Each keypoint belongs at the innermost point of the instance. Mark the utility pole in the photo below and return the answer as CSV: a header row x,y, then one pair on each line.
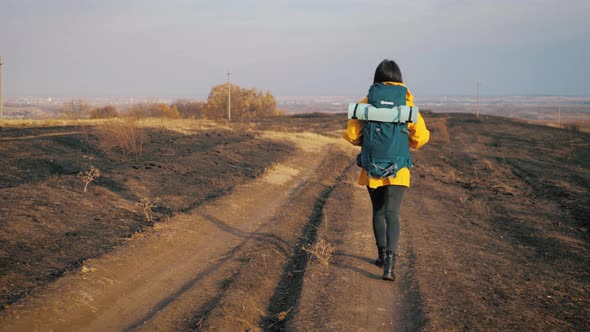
x,y
477,100
1,104
228,96
558,112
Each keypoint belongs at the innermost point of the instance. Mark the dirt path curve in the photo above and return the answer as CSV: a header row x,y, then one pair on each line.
x,y
170,274
19,138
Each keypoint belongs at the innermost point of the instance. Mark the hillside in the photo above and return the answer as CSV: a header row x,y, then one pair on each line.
x,y
494,229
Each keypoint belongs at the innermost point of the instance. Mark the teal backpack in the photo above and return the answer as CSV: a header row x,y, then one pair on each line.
x,y
385,147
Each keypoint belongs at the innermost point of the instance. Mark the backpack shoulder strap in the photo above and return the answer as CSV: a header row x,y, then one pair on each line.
x,y
356,106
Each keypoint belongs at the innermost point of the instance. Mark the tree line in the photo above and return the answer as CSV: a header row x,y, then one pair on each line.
x,y
245,104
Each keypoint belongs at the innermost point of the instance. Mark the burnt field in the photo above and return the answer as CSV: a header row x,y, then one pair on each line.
x,y
495,229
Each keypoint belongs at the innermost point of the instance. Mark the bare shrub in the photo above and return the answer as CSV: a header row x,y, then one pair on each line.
x,y
321,250
126,136
104,112
189,109
77,110
89,176
147,208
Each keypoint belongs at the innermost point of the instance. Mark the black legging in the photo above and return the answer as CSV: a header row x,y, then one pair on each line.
x,y
386,201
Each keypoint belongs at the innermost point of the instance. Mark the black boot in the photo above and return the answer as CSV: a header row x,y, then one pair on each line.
x,y
380,256
388,273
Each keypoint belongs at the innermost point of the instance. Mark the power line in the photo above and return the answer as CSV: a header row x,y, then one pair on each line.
x,y
477,100
558,112
228,96
1,104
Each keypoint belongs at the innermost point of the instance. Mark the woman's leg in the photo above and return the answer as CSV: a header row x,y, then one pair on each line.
x,y
393,196
378,202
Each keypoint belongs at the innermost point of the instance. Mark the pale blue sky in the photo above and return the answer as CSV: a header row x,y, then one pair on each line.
x,y
293,48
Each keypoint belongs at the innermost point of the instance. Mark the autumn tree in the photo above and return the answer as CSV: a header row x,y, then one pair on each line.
x,y
245,103
189,108
162,110
158,110
104,112
139,110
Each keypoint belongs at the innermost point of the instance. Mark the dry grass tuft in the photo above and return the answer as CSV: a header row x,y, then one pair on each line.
x,y
479,207
452,176
321,250
488,164
439,131
281,316
463,199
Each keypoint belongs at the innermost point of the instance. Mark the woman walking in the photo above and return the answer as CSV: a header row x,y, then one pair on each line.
x,y
386,189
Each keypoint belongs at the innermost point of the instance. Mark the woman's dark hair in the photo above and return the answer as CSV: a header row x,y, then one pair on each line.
x,y
387,71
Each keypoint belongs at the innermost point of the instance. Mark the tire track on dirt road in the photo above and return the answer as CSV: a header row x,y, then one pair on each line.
x,y
349,294
269,278
160,281
289,287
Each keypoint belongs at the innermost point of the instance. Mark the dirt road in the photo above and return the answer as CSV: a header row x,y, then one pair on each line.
x,y
349,294
221,265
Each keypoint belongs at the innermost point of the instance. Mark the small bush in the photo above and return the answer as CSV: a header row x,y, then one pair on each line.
x,y
153,110
164,111
104,112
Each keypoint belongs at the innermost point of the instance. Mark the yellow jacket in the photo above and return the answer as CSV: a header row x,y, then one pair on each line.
x,y
418,137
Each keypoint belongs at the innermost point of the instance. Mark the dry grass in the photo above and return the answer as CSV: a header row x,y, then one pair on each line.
x,y
182,126
306,141
479,207
452,176
125,136
463,199
487,164
19,123
321,250
439,131
281,316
